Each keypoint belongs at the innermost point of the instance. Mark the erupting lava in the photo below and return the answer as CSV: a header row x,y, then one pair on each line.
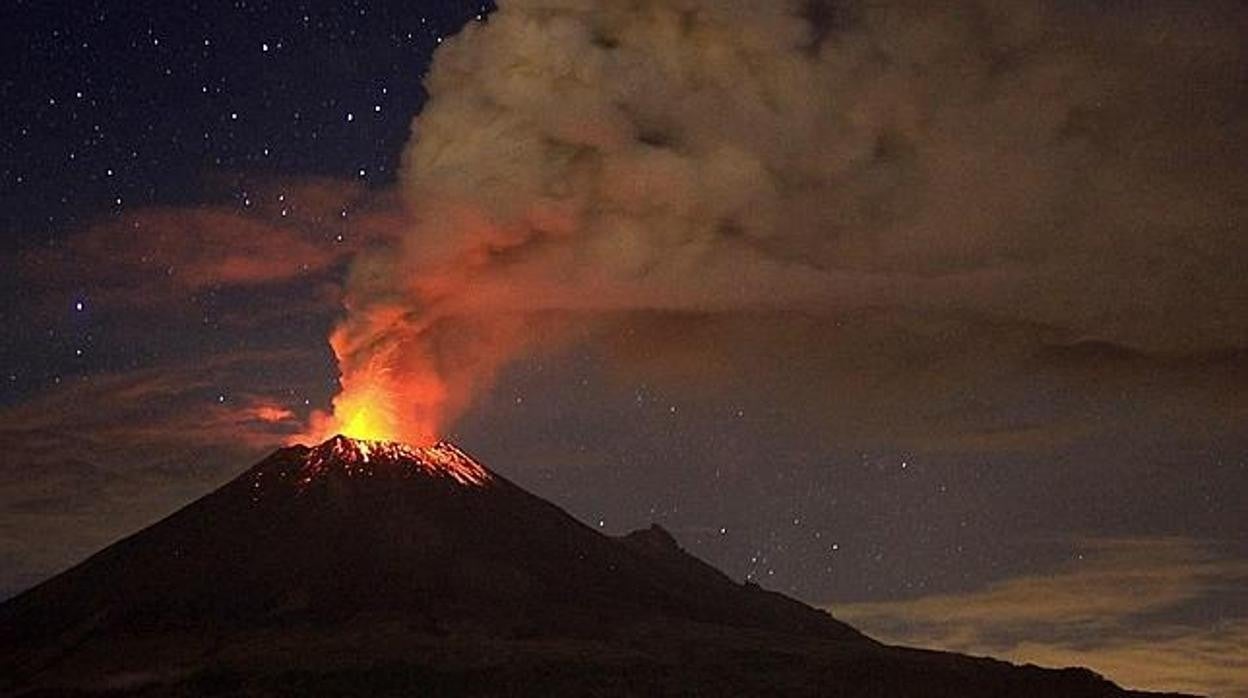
x,y
342,456
365,413
362,457
383,399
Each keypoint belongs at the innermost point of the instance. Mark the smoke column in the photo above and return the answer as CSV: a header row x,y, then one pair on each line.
x,y
579,158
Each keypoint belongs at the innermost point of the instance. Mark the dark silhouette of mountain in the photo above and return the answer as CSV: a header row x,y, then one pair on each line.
x,y
378,569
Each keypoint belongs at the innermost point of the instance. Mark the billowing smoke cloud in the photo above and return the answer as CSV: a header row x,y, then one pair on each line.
x,y
1073,166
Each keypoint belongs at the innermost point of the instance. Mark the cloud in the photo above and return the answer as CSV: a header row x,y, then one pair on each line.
x,y
932,383
1025,164
1118,608
706,156
196,249
100,456
290,238
178,405
1208,659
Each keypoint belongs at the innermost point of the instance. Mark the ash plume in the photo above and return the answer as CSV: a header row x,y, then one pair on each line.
x,y
578,159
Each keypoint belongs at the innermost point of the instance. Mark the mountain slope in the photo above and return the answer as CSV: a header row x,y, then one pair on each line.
x,y
365,568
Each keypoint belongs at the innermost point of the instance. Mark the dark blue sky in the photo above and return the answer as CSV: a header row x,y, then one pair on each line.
x,y
142,101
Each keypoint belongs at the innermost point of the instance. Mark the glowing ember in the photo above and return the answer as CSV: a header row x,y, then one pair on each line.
x,y
369,458
365,459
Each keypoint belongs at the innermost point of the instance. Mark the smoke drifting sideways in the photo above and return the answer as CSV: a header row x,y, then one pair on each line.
x,y
1077,168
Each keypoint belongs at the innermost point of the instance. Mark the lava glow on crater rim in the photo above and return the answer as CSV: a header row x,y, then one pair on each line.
x,y
362,458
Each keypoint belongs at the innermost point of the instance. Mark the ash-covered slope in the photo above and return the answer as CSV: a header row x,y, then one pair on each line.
x,y
368,568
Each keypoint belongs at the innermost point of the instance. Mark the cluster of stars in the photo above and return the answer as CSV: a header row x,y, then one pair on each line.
x,y
123,118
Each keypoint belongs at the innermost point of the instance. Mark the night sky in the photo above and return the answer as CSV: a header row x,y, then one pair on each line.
x,y
999,408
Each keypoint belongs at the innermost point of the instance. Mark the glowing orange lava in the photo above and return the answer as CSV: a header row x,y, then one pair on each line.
x,y
382,399
411,363
371,408
361,458
365,414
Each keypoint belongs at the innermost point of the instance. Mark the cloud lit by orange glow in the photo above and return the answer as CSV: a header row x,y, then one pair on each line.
x,y
365,409
661,185
1091,614
271,414
387,394
407,376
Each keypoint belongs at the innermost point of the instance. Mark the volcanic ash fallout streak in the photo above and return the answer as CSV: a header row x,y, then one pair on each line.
x,y
576,159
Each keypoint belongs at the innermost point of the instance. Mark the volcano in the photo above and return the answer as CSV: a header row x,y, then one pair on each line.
x,y
376,569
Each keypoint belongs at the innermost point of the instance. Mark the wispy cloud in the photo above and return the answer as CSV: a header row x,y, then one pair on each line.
x,y
289,237
180,404
1123,607
100,456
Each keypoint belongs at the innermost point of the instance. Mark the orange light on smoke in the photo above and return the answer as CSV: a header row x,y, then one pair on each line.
x,y
380,401
367,414
408,368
